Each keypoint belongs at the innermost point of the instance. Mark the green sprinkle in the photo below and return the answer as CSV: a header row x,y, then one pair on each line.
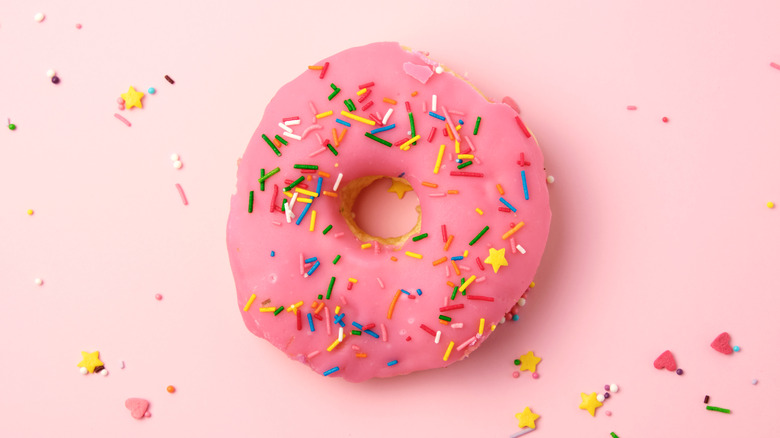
x,y
466,164
445,318
325,231
357,332
332,149
517,361
463,280
419,237
476,126
273,146
284,205
379,140
294,183
262,179
613,435
336,260
714,408
481,233
306,166
267,175
278,310
11,126
330,287
454,292
350,105
281,140
335,91
319,297
411,123
251,200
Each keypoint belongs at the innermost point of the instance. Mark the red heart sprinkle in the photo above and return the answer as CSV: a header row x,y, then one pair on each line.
x,y
665,360
722,343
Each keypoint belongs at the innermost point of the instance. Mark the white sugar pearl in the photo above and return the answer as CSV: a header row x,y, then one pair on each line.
x,y
51,73
177,164
550,179
83,370
104,372
600,398
38,281
439,69
174,157
521,302
39,17
613,387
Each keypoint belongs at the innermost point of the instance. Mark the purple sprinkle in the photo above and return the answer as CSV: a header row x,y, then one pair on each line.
x,y
606,387
606,395
679,371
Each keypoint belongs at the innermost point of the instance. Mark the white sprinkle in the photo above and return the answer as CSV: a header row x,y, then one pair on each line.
x,y
439,70
337,235
433,103
387,116
288,215
38,281
83,370
338,181
457,325
39,17
522,432
283,126
293,136
174,157
613,387
521,249
379,280
104,372
177,164
293,122
291,204
277,223
438,336
121,364
341,334
600,398
550,179
51,73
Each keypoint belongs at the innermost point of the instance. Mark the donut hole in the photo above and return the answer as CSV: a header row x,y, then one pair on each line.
x,y
381,208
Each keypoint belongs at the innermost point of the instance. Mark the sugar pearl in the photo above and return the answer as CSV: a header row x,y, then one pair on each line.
x,y
38,281
83,370
51,73
174,157
104,372
39,17
177,164
613,387
600,397
439,69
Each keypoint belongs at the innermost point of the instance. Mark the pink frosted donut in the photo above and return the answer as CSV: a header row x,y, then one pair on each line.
x,y
328,293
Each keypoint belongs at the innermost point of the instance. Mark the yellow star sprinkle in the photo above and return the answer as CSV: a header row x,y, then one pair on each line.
x,y
528,362
132,98
527,418
400,188
90,361
590,403
497,258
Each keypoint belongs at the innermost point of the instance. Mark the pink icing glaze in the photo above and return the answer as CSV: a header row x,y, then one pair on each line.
x,y
281,281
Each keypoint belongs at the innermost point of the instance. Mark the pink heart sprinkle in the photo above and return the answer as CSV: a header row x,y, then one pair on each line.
x,y
137,406
722,343
665,360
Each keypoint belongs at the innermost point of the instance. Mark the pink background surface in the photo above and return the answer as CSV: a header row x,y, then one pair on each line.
x,y
661,237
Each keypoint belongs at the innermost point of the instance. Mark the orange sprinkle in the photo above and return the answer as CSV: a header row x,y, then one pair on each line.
x,y
500,189
449,132
429,184
443,322
308,177
450,284
335,138
314,304
394,258
315,67
331,194
360,354
341,136
319,308
454,266
276,142
414,93
512,231
392,304
440,261
452,192
323,174
449,241
388,100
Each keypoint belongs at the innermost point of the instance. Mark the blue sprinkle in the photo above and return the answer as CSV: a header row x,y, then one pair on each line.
x,y
337,319
358,326
313,268
310,260
736,348
458,160
510,206
419,292
311,322
383,129
406,292
457,258
460,122
345,123
330,371
515,317
392,362
319,185
151,90
273,253
372,333
525,186
402,175
433,114
303,213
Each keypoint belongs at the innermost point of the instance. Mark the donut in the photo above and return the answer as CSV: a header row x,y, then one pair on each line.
x,y
317,282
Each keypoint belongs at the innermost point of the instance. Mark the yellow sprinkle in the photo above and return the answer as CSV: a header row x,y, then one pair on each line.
x,y
361,91
315,67
333,345
467,283
449,350
306,192
295,306
465,156
479,210
452,192
769,204
323,174
438,159
305,200
465,253
492,327
513,230
533,284
481,325
358,118
267,309
331,194
500,189
413,254
338,310
365,246
457,128
410,141
388,100
429,184
325,114
313,218
457,145
289,194
352,280
249,302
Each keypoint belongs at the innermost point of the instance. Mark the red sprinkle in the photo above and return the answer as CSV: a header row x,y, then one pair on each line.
x,y
273,198
290,119
451,307
366,85
400,142
522,127
369,326
479,263
181,194
474,174
324,69
665,120
368,105
319,318
349,286
504,209
444,233
308,170
364,96
428,329
479,298
408,107
373,117
431,134
298,322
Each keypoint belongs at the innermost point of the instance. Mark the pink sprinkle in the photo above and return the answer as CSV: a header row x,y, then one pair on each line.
x,y
470,340
337,235
124,120
449,121
312,354
471,145
384,332
631,108
78,25
300,258
381,285
516,374
313,108
157,297
608,413
178,187
513,245
327,318
535,375
324,70
774,65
